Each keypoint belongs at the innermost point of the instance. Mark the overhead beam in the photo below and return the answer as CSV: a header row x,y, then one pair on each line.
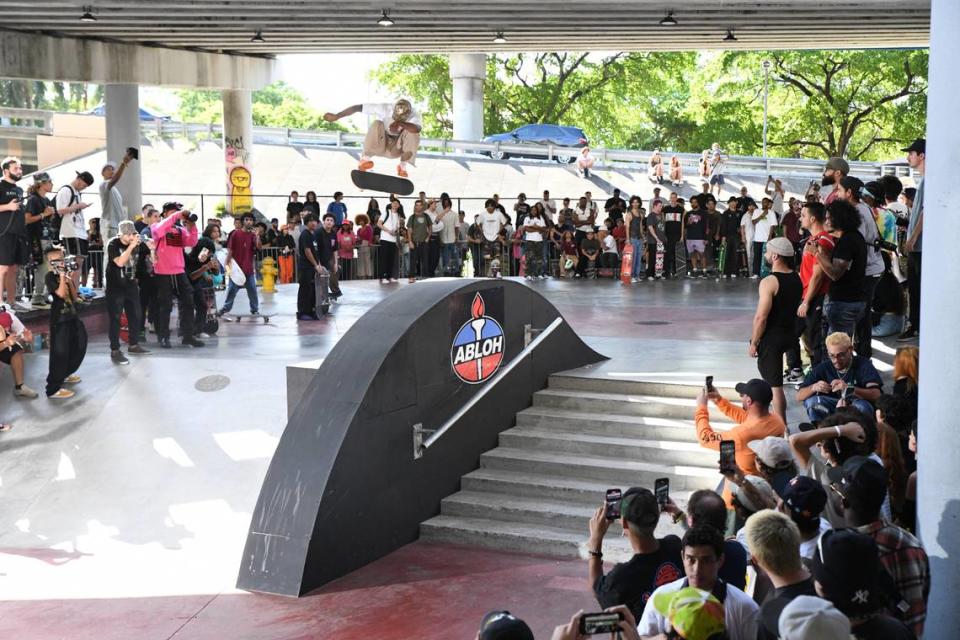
x,y
31,56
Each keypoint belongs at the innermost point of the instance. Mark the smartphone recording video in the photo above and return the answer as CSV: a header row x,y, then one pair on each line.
x,y
597,623
614,496
728,455
661,489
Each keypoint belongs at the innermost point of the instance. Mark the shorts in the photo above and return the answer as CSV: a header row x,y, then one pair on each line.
x,y
14,250
716,179
770,358
6,355
76,247
696,246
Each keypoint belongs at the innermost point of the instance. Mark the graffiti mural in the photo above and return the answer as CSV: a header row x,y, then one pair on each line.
x,y
239,176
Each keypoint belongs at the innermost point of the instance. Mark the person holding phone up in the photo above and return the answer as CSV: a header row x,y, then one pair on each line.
x,y
753,419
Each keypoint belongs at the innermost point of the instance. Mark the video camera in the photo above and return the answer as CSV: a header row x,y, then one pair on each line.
x,y
66,265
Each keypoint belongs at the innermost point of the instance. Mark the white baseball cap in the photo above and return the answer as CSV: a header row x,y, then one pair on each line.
x,y
811,617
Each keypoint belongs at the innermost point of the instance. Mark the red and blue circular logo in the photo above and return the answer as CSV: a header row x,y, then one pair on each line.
x,y
477,350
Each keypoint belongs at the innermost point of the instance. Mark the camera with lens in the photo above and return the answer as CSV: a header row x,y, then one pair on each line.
x,y
882,245
67,264
188,215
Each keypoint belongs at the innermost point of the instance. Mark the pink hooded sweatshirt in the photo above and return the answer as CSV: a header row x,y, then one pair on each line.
x,y
171,241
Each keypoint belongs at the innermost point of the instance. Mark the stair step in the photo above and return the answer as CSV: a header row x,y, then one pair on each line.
x,y
532,511
612,424
549,488
528,539
660,451
615,470
637,387
623,404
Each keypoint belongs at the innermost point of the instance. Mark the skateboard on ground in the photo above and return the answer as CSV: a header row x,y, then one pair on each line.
x,y
321,283
722,259
658,261
626,263
238,317
381,182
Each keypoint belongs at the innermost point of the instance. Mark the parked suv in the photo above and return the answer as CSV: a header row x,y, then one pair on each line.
x,y
569,141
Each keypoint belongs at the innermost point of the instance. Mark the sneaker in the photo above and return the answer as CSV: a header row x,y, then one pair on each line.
x,y
136,348
401,171
795,375
73,379
118,358
908,334
365,165
40,304
165,343
754,277
733,275
634,280
24,392
306,317
650,278
62,394
22,306
191,342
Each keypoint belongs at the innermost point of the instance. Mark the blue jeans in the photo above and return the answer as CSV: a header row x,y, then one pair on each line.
x,y
841,316
819,406
636,267
448,255
251,288
890,325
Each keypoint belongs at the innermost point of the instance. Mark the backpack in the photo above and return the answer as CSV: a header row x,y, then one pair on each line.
x,y
57,218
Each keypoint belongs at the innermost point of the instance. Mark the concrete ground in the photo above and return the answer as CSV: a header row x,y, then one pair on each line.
x,y
123,511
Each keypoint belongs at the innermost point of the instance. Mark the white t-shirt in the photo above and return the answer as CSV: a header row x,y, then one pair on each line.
x,y
448,226
535,221
762,224
550,207
746,222
777,202
490,224
383,111
72,225
740,613
581,217
610,245
391,222
809,547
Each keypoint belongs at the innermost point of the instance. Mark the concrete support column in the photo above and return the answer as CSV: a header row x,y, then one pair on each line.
x,y
238,149
468,71
938,500
122,103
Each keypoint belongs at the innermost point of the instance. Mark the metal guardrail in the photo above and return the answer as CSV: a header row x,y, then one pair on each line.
x,y
610,158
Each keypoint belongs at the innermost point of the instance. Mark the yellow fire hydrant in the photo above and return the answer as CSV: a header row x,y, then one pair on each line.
x,y
268,275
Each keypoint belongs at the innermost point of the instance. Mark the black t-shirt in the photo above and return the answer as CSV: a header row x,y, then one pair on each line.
x,y
39,230
744,201
523,210
307,241
13,222
60,310
589,246
631,583
769,627
294,208
121,276
734,569
882,627
192,259
653,220
673,218
696,224
730,223
849,287
326,246
311,207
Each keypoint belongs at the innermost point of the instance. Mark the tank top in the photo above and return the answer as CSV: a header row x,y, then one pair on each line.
x,y
783,312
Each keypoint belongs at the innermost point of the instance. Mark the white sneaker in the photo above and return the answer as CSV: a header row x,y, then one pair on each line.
x,y
22,306
24,392
650,279
754,277
634,280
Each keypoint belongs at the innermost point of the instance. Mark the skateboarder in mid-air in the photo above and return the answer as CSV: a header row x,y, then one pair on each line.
x,y
394,133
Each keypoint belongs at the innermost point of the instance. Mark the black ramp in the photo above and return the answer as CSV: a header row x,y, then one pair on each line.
x,y
344,488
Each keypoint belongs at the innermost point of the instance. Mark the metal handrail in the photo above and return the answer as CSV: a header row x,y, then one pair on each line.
x,y
167,129
420,445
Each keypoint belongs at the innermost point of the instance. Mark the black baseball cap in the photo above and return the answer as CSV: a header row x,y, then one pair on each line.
x,y
639,506
167,206
805,498
847,566
86,176
860,480
503,625
919,145
757,390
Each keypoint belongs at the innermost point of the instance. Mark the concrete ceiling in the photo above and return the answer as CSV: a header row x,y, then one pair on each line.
x,y
300,26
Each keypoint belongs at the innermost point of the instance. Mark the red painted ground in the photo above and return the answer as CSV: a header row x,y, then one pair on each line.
x,y
421,591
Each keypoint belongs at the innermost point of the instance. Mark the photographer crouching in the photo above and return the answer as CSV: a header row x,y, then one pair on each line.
x,y
68,336
123,290
178,230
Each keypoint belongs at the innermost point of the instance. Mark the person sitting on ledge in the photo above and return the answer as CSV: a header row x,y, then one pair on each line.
x,y
843,379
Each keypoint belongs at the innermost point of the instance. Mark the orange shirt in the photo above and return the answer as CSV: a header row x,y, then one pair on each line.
x,y
747,429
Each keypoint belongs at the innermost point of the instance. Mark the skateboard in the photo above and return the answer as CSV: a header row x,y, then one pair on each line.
x,y
124,328
626,263
381,182
764,267
321,283
238,317
208,316
722,259
658,261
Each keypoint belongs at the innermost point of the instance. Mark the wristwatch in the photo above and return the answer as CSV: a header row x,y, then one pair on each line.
x,y
595,554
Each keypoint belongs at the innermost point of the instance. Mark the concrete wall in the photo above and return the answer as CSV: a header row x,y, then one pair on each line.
x,y
73,135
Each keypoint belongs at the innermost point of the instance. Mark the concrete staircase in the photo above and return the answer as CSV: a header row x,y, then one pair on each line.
x,y
536,492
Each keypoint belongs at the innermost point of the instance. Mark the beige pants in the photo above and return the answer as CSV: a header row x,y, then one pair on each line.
x,y
378,143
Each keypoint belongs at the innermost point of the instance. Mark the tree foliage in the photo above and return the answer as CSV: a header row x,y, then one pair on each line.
x,y
56,96
861,104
